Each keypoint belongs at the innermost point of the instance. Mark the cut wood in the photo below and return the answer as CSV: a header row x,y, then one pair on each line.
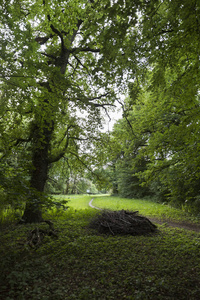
x,y
122,222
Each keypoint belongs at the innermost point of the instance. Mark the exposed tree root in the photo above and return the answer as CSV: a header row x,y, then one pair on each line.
x,y
35,237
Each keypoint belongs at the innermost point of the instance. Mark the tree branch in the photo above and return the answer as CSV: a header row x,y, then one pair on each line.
x,y
48,55
63,151
126,117
84,164
42,40
87,49
79,61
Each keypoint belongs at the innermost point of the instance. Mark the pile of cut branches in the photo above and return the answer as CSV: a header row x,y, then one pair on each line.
x,y
122,222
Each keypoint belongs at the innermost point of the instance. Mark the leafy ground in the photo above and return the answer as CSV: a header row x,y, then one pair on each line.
x,y
81,264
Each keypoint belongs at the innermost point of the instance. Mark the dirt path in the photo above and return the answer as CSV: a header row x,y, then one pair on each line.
x,y
91,205
184,225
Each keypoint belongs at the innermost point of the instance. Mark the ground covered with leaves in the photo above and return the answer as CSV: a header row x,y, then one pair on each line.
x,y
83,264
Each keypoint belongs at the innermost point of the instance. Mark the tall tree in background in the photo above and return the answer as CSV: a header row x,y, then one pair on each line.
x,y
164,104
174,43
127,143
61,63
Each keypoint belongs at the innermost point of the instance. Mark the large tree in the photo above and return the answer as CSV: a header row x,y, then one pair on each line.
x,y
61,63
164,106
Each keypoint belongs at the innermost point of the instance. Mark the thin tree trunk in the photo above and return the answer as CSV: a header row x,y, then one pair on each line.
x,y
67,187
115,183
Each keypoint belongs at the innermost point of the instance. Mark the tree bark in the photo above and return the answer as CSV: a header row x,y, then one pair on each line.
x,y
40,165
42,135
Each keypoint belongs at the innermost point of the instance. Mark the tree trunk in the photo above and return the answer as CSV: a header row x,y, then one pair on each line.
x,y
32,213
74,187
41,136
40,163
67,187
115,188
115,182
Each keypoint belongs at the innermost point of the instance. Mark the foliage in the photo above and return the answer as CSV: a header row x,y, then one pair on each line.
x,y
170,130
61,66
171,98
63,178
14,188
160,125
64,62
123,151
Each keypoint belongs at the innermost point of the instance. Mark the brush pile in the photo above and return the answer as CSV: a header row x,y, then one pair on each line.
x,y
122,222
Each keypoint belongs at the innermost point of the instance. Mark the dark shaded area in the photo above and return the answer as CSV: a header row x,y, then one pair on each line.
x,y
122,222
35,237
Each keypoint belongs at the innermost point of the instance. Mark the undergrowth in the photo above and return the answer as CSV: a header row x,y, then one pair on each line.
x,y
83,264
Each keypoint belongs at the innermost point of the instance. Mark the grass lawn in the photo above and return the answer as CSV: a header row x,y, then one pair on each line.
x,y
145,207
76,201
82,264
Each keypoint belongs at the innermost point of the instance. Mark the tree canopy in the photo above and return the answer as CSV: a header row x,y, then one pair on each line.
x,y
162,110
63,63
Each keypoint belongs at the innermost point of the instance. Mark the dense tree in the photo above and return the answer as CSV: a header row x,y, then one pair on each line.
x,y
61,62
171,130
159,133
125,148
172,108
163,108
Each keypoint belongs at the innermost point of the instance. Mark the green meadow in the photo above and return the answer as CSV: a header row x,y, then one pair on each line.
x,y
145,207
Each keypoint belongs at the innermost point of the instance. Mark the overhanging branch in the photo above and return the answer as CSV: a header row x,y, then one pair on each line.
x,y
62,152
79,61
86,49
83,163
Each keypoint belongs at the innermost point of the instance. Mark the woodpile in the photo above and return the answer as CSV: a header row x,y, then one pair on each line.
x,y
122,222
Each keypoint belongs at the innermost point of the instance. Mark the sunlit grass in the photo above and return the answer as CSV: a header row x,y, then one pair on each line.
x,y
76,201
9,215
81,202
145,207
